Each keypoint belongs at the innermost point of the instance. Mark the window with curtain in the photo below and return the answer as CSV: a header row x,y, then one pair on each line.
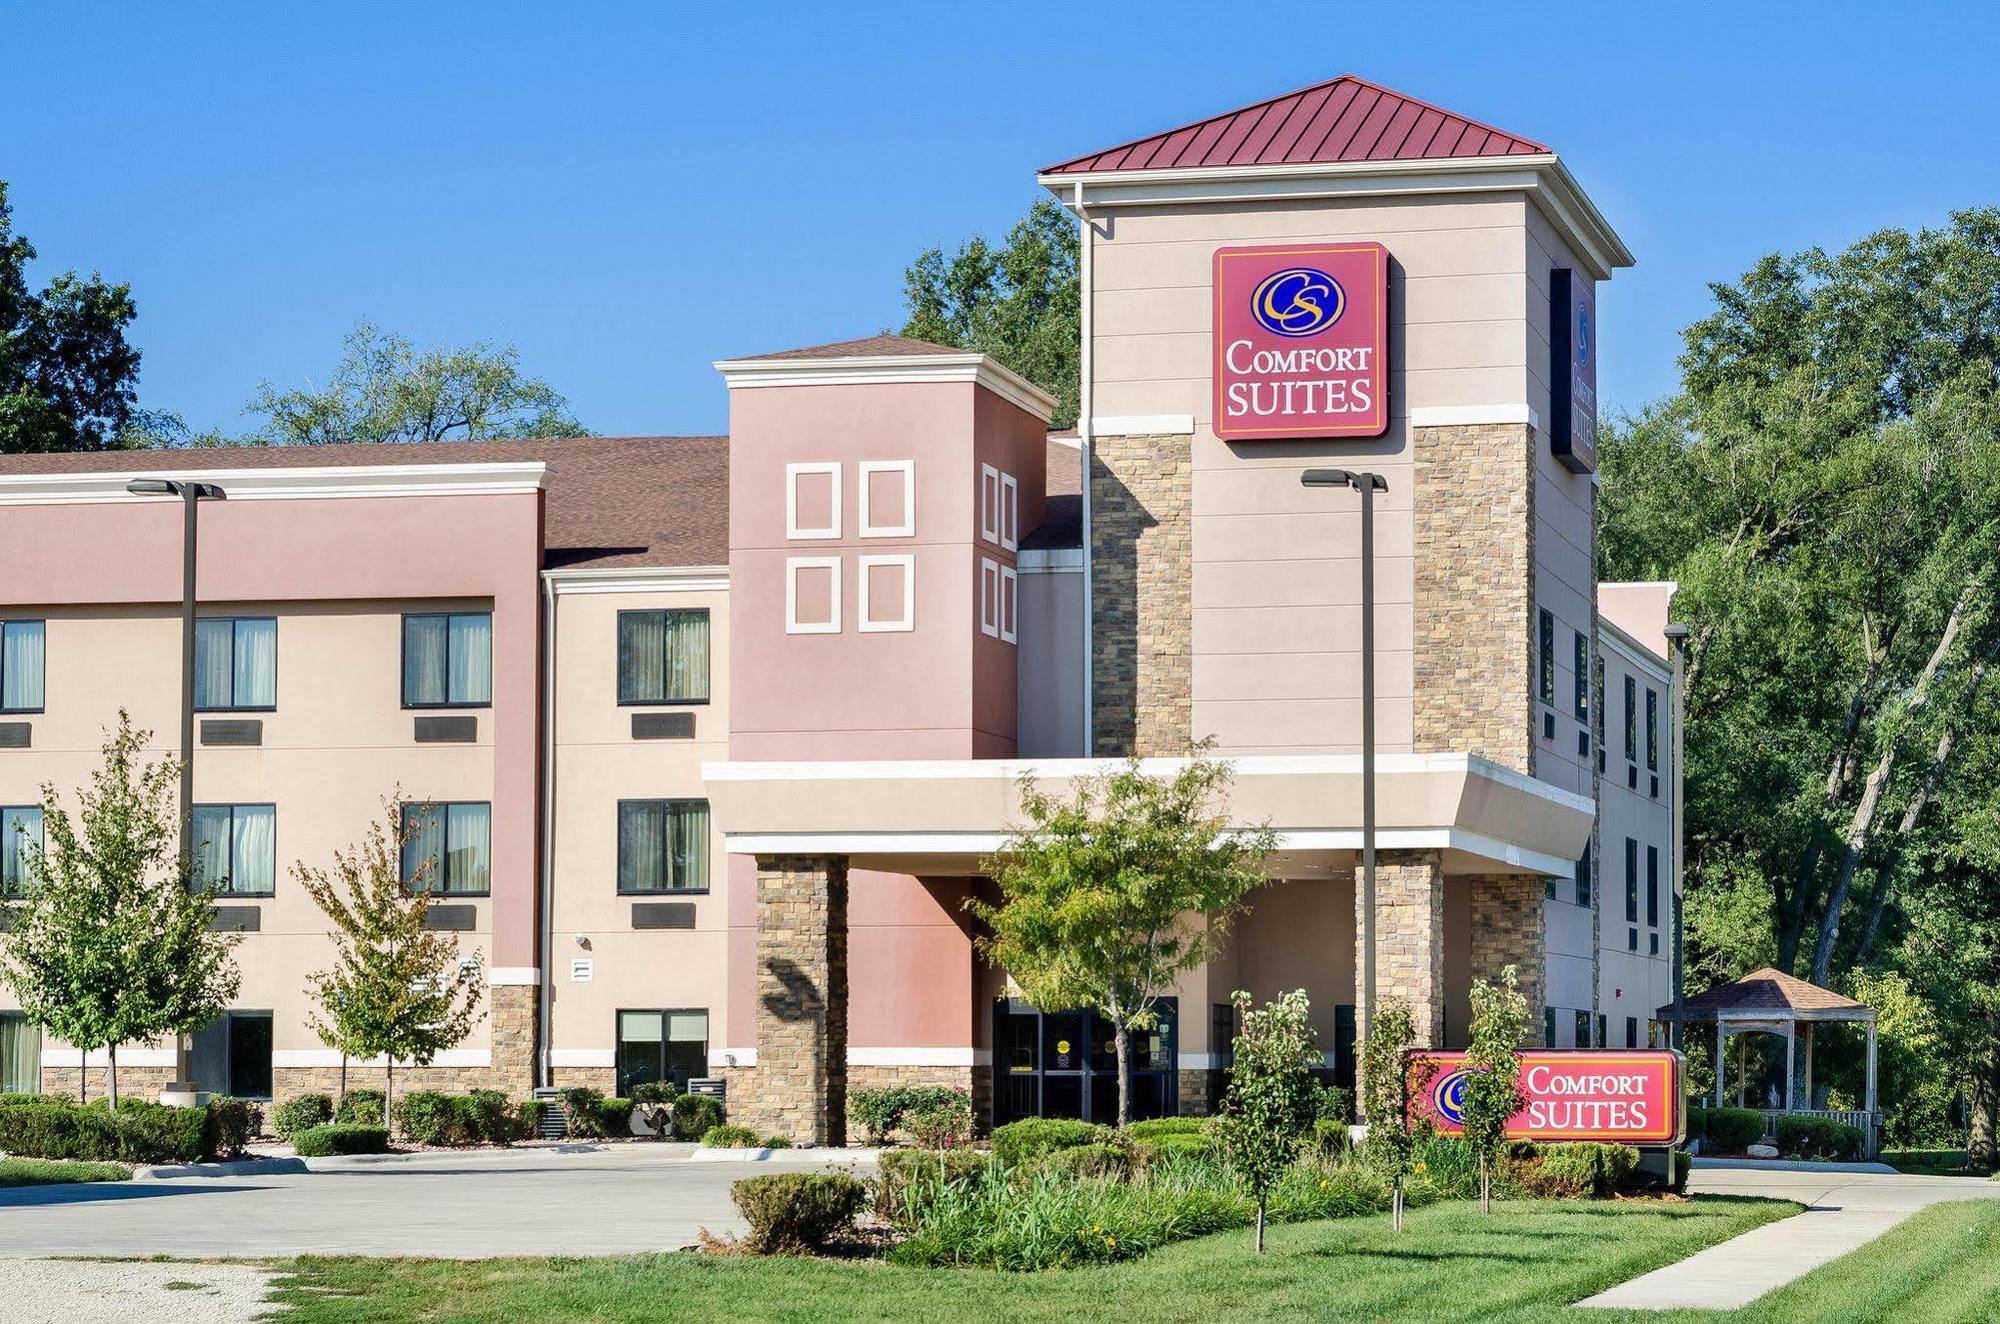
x,y
663,656
1545,649
662,845
21,662
661,1045
236,848
236,663
448,660
1580,676
20,1054
448,848
20,838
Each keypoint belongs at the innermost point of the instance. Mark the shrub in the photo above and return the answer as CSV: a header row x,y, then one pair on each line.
x,y
614,1117
341,1138
908,1177
1167,1126
57,1131
1577,1171
1333,1103
1031,1137
777,1142
654,1092
695,1115
797,1212
1331,1139
1094,1161
1819,1138
1190,1144
583,1107
528,1118
428,1117
881,1112
359,1108
302,1113
1318,1189
1448,1164
1732,1130
729,1137
488,1116
231,1123
153,1132
946,1124
1697,1122
138,1132
1683,1165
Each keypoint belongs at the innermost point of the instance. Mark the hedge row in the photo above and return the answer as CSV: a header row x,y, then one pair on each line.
x,y
139,1131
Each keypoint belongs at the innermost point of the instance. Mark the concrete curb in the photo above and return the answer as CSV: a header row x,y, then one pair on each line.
x,y
1791,1165
828,1155
257,1167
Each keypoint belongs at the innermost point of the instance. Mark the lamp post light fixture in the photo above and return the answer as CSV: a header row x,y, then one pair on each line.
x,y
192,494
1677,637
1367,484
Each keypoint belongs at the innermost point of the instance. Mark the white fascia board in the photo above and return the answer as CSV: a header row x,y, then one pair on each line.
x,y
329,1057
98,1057
1050,561
513,976
721,1058
638,579
311,483
894,369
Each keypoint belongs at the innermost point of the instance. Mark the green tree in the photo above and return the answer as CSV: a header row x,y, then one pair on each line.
x,y
397,989
112,942
1269,1108
1018,302
1493,1071
1388,1084
67,374
387,389
1106,897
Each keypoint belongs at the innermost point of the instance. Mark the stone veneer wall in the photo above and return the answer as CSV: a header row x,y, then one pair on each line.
x,y
1409,940
1142,568
1475,558
133,1082
799,1086
1196,1088
1508,928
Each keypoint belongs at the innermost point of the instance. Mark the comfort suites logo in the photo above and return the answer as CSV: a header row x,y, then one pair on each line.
x,y
1624,1096
1300,341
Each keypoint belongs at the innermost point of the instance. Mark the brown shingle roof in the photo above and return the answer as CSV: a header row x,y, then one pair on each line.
x,y
612,501
865,348
1767,990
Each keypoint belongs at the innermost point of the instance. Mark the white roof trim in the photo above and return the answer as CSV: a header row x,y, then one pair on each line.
x,y
1050,561
1542,176
637,579
313,482
896,369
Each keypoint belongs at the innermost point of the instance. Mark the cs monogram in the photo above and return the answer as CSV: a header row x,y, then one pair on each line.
x,y
1297,301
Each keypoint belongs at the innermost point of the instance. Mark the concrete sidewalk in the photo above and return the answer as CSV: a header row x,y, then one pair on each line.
x,y
1844,1210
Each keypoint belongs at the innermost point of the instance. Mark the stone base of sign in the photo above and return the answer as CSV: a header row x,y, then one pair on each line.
x,y
1142,559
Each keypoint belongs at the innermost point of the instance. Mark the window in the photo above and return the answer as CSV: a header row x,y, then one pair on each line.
x,y
663,845
1653,730
812,500
1545,640
888,498
448,660
888,593
20,1054
1548,1027
236,848
448,848
1580,676
661,1045
1653,941
21,663
20,838
1583,878
1583,1029
1631,881
1631,1031
1631,721
1631,940
1549,886
232,1055
663,656
236,664
812,595
1653,886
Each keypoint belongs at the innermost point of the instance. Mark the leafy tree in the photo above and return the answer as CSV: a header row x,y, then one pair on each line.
x,y
1270,1106
1018,303
1388,1083
387,389
1110,895
67,373
398,989
112,944
1493,1071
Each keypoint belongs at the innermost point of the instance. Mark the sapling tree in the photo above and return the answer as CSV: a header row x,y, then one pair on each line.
x,y
1111,893
112,942
1492,1092
1388,1082
1272,1097
398,989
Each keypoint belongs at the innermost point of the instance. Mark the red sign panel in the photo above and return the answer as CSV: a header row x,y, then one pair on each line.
x,y
1626,1097
1301,341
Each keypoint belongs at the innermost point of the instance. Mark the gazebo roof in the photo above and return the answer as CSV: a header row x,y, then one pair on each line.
x,y
1771,995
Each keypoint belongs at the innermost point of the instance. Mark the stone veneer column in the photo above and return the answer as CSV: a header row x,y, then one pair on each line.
x,y
1409,940
512,1010
799,1086
1475,525
1507,929
1142,568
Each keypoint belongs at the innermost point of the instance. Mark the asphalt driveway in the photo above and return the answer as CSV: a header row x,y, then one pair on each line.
x,y
573,1200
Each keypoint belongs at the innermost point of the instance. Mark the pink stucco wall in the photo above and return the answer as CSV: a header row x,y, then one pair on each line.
x,y
300,550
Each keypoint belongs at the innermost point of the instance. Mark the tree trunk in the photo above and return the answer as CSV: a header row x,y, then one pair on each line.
x,y
388,1091
83,1075
343,1081
1396,1205
1260,1225
1982,1146
1485,1186
111,1077
1123,1038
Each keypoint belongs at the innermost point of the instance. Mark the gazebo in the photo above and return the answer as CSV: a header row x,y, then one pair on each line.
x,y
1769,1001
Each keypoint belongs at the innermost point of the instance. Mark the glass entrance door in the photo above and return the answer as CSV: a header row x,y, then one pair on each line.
x,y
1065,1064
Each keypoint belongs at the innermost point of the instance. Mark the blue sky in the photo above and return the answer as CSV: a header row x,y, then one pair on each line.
x,y
627,192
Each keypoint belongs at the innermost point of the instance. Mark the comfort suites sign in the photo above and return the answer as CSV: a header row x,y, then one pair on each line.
x,y
1301,339
1627,1097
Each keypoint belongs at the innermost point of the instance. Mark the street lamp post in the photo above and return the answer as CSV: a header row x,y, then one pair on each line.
x,y
1677,636
1367,484
191,495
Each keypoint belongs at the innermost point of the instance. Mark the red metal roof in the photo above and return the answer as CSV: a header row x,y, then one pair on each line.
x,y
1766,990
1344,119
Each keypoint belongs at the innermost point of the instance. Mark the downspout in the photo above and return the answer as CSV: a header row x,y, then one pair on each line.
x,y
545,894
1083,443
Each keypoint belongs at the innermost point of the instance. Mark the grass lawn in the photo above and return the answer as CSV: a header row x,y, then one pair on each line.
x,y
48,1172
1450,1262
1928,1162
